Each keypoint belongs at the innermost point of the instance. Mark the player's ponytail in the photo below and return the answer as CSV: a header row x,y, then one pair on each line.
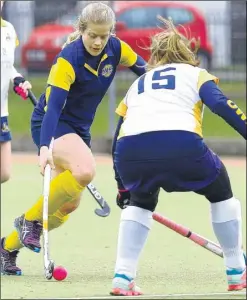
x,y
94,12
170,46
72,37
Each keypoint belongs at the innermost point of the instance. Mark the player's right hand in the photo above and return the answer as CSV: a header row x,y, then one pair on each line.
x,y
45,157
21,87
123,198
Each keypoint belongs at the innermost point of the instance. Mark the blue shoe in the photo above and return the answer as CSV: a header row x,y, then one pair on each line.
x,y
8,261
122,285
236,279
29,233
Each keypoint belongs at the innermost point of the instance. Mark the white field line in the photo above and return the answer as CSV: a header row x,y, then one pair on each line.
x,y
229,295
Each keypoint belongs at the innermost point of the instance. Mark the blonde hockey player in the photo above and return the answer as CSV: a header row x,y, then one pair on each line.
x,y
160,145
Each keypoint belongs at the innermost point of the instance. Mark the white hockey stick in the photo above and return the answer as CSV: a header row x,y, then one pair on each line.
x,y
48,263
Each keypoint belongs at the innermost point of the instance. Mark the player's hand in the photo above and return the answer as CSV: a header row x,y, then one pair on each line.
x,y
45,157
21,87
123,198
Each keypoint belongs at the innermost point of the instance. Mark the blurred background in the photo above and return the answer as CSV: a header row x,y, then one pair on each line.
x,y
43,26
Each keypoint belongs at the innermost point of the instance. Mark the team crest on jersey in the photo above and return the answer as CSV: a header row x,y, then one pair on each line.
x,y
107,70
5,127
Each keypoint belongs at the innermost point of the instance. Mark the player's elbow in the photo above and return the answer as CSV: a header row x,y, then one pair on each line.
x,y
218,108
139,68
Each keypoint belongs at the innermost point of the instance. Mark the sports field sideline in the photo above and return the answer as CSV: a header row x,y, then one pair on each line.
x,y
25,157
171,266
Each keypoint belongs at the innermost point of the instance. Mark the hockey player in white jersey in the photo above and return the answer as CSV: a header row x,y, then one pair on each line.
x,y
159,144
9,42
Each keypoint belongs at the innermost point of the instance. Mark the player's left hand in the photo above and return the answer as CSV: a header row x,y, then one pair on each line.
x,y
123,198
21,87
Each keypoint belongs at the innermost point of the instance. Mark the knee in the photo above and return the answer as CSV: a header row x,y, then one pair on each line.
x,y
5,175
220,189
83,175
144,201
226,210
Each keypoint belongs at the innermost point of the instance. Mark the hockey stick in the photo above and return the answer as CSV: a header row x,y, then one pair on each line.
x,y
186,232
105,208
48,263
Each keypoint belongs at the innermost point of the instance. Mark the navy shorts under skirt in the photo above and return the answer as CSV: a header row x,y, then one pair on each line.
x,y
62,129
172,160
5,135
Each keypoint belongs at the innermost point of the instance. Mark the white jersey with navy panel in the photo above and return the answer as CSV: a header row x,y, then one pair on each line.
x,y
9,42
165,98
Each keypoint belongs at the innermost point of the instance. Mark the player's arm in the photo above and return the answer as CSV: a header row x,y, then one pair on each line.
x,y
117,177
121,111
221,105
20,85
61,76
15,74
18,80
131,60
123,196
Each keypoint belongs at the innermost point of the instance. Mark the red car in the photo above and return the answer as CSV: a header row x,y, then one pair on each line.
x,y
136,23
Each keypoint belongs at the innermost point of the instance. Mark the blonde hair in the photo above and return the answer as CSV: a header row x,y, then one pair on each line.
x,y
170,46
95,12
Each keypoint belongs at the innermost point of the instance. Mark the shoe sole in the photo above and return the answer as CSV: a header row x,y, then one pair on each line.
x,y
236,287
19,273
121,292
16,225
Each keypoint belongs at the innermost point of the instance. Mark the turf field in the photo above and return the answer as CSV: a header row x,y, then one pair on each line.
x,y
171,266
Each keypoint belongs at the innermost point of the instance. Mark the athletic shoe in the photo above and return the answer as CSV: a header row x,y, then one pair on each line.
x,y
29,233
8,261
236,279
124,286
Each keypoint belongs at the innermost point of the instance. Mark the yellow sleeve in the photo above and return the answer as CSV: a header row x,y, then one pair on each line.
x,y
204,76
128,56
121,109
9,25
17,41
3,22
62,74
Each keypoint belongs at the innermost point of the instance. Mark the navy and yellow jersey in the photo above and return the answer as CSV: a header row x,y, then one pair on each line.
x,y
173,97
78,82
209,94
222,106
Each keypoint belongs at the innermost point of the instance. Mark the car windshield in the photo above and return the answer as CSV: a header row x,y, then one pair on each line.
x,y
67,20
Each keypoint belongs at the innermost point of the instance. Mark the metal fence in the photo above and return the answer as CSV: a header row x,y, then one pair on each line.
x,y
226,29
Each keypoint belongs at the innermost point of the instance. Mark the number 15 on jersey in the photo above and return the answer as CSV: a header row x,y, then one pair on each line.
x,y
159,76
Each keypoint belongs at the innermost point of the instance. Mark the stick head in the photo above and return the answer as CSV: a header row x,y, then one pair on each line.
x,y
103,212
49,270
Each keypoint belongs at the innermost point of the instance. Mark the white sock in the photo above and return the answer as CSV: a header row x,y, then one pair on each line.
x,y
227,225
134,227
